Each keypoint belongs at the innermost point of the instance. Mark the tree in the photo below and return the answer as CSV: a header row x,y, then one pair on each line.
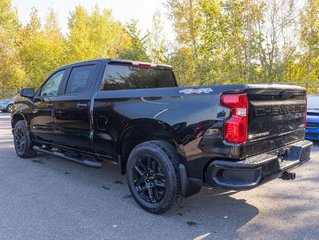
x,y
183,65
279,41
156,39
43,48
11,69
137,49
95,35
244,41
187,23
217,42
309,37
79,47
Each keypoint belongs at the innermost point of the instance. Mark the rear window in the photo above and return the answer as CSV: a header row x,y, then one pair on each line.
x,y
134,77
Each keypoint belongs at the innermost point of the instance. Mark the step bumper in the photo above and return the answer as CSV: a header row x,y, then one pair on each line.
x,y
256,170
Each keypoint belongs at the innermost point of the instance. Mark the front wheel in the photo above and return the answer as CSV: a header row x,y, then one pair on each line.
x,y
22,140
153,176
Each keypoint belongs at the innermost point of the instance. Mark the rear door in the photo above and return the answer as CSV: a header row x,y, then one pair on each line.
x,y
111,104
72,109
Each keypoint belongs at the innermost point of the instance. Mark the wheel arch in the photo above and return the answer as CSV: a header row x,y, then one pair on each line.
x,y
141,131
16,118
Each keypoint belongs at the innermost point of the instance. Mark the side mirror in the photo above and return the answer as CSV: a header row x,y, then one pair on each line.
x,y
27,92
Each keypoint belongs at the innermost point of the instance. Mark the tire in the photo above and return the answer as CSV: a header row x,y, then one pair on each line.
x,y
22,141
153,176
9,108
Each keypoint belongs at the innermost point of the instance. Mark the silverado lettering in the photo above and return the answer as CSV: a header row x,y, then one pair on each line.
x,y
260,111
169,140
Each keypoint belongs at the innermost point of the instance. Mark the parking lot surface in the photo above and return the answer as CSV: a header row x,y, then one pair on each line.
x,y
50,198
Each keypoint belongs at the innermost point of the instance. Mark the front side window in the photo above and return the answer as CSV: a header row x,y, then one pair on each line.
x,y
80,79
51,87
119,77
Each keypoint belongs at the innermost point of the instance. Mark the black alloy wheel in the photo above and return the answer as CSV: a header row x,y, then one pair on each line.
x,y
149,179
22,141
153,177
19,140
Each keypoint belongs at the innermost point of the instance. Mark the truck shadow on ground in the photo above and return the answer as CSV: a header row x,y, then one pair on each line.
x,y
209,211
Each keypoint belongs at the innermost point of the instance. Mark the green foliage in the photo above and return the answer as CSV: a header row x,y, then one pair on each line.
x,y
217,42
187,22
11,69
309,62
95,35
184,67
156,42
43,49
245,41
137,49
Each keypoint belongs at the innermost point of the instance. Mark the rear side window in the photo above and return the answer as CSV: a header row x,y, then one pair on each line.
x,y
133,77
80,79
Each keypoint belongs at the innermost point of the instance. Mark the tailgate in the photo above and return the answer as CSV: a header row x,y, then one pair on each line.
x,y
274,112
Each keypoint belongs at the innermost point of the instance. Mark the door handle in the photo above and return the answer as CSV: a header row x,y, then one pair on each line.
x,y
81,105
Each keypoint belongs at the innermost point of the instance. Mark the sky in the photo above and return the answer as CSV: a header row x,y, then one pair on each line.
x,y
123,10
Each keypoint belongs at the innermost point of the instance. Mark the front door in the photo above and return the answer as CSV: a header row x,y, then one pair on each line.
x,y
42,125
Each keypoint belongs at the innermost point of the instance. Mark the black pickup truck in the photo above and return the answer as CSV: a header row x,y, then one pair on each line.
x,y
169,140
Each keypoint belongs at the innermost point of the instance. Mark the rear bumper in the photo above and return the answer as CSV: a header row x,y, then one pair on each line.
x,y
258,169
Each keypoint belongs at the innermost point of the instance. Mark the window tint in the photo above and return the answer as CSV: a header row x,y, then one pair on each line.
x,y
132,77
51,87
80,79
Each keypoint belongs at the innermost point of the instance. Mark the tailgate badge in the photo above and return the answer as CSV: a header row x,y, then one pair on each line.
x,y
196,90
258,135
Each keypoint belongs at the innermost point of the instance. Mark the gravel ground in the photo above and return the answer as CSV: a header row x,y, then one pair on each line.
x,y
50,198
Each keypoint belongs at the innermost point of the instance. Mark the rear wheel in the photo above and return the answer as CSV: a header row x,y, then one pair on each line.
x,y
153,177
22,141
9,108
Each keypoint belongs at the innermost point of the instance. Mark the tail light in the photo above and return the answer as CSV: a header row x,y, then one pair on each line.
x,y
237,125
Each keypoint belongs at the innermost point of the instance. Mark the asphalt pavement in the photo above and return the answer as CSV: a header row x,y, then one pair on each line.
x,y
49,198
